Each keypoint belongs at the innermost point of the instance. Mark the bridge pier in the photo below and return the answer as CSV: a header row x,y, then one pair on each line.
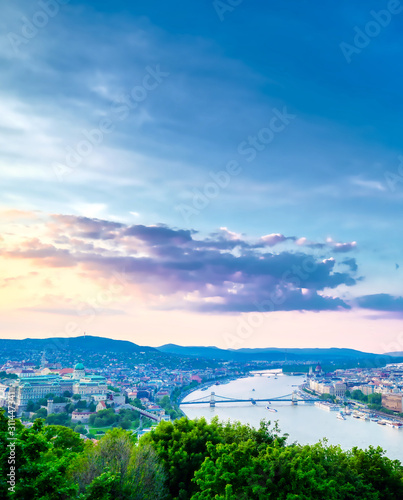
x,y
212,400
294,398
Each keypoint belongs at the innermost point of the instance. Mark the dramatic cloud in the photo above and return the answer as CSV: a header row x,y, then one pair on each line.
x,y
45,254
342,247
273,239
351,263
85,227
222,272
381,302
159,235
330,243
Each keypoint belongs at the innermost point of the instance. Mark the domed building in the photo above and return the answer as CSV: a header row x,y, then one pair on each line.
x,y
79,371
73,380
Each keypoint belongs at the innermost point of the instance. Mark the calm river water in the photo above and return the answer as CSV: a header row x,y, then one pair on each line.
x,y
306,424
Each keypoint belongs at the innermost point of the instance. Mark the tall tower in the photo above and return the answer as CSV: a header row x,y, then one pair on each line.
x,y
43,359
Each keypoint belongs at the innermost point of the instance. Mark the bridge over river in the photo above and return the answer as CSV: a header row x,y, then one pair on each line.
x,y
145,413
213,399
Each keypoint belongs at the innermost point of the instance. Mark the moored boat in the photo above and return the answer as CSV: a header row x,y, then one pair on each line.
x,y
394,425
327,406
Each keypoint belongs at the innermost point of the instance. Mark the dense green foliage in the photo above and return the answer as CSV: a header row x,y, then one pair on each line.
x,y
189,460
173,411
374,401
243,472
4,374
184,445
360,396
328,397
53,462
42,457
352,361
125,419
235,462
117,468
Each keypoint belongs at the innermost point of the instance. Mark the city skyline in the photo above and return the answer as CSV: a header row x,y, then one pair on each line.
x,y
227,175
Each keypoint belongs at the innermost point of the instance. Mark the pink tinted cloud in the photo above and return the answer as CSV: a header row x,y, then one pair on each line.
x,y
169,261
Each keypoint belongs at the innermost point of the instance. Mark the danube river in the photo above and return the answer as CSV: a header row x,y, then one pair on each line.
x,y
305,423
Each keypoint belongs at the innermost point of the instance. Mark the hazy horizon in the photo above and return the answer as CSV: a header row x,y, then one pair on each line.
x,y
202,175
197,345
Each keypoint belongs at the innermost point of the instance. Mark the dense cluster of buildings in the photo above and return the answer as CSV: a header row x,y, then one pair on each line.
x,y
386,381
147,382
393,401
35,386
334,388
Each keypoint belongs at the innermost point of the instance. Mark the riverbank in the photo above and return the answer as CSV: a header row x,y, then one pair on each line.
x,y
359,406
210,383
305,423
221,381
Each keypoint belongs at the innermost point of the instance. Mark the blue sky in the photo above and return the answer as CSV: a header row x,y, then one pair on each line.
x,y
208,82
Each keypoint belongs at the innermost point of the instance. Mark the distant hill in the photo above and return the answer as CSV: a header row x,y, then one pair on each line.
x,y
82,343
270,354
209,352
91,343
